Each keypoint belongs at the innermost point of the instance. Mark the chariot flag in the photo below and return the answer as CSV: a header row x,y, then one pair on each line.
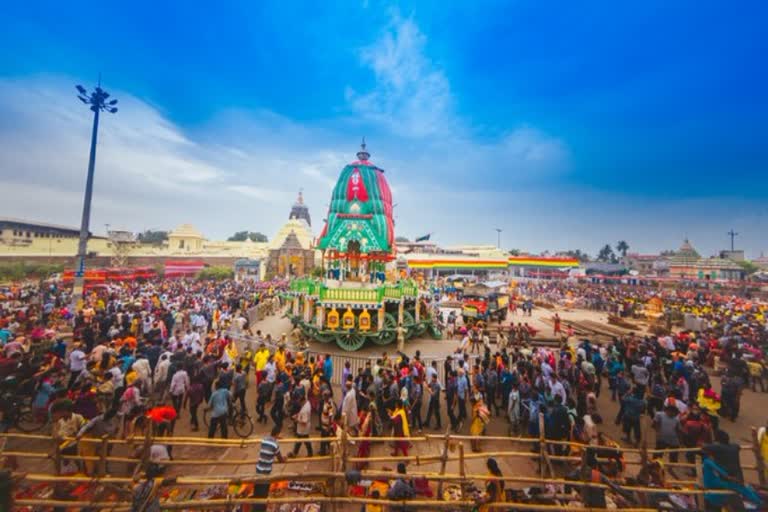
x,y
423,238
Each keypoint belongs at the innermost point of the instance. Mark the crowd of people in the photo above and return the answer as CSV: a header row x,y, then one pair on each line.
x,y
151,355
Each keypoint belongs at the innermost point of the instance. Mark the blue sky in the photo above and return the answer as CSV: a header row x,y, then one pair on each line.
x,y
567,124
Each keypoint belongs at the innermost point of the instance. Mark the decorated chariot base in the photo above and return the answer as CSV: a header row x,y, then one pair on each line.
x,y
351,313
357,301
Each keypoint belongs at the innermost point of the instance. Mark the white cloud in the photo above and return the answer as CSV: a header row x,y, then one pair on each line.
x,y
242,169
255,192
150,172
412,97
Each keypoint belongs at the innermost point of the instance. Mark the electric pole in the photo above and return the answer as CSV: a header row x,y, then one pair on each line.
x,y
98,103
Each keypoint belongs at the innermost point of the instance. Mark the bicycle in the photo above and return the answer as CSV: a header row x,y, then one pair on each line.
x,y
240,421
19,415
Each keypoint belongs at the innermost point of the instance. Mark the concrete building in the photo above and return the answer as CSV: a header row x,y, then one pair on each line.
x,y
31,239
185,238
643,264
686,263
24,240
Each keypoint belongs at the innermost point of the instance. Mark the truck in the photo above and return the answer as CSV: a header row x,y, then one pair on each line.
x,y
484,302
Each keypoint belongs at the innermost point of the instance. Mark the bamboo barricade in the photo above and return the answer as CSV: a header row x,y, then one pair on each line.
x,y
760,466
341,461
420,459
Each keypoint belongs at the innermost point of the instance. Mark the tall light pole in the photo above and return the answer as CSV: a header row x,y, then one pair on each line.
x,y
733,236
498,238
98,103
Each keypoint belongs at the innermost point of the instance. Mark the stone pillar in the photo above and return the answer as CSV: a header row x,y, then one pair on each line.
x,y
417,314
400,311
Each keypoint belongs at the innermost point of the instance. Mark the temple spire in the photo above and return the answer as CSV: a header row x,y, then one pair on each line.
x,y
363,155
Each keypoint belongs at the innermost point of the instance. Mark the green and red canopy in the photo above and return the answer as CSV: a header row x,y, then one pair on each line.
x,y
360,214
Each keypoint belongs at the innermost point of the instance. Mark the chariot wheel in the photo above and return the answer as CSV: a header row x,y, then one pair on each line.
x,y
387,334
419,329
350,341
409,322
323,337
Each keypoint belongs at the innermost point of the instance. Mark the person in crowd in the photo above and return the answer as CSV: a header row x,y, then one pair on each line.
x,y
269,452
219,405
303,427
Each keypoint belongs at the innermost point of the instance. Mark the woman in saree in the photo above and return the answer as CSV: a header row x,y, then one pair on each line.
x,y
400,428
367,429
494,488
480,418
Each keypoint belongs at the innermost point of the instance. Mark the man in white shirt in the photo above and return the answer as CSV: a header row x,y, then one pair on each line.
x,y
303,427
77,361
463,344
430,371
161,372
349,407
557,389
271,370
179,387
546,370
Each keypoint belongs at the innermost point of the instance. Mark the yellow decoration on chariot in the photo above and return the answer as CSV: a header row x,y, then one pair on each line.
x,y
333,319
364,320
348,320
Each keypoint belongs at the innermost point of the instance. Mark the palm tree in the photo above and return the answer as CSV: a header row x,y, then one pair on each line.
x,y
606,254
622,247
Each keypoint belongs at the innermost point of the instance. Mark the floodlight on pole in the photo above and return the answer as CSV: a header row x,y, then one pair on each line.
x,y
97,101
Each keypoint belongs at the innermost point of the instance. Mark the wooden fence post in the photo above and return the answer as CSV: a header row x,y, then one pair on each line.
x,y
57,457
102,470
759,461
341,442
145,451
542,446
700,504
444,459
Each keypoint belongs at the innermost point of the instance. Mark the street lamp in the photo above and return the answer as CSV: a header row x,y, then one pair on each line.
x,y
498,238
97,99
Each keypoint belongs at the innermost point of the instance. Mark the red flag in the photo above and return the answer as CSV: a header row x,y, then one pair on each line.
x,y
356,187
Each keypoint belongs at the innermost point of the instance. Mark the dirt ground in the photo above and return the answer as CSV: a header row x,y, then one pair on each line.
x,y
753,407
753,413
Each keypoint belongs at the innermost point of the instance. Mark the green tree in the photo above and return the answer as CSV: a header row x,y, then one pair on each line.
x,y
622,247
402,240
606,254
18,271
152,237
242,236
749,267
514,252
216,273
581,256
